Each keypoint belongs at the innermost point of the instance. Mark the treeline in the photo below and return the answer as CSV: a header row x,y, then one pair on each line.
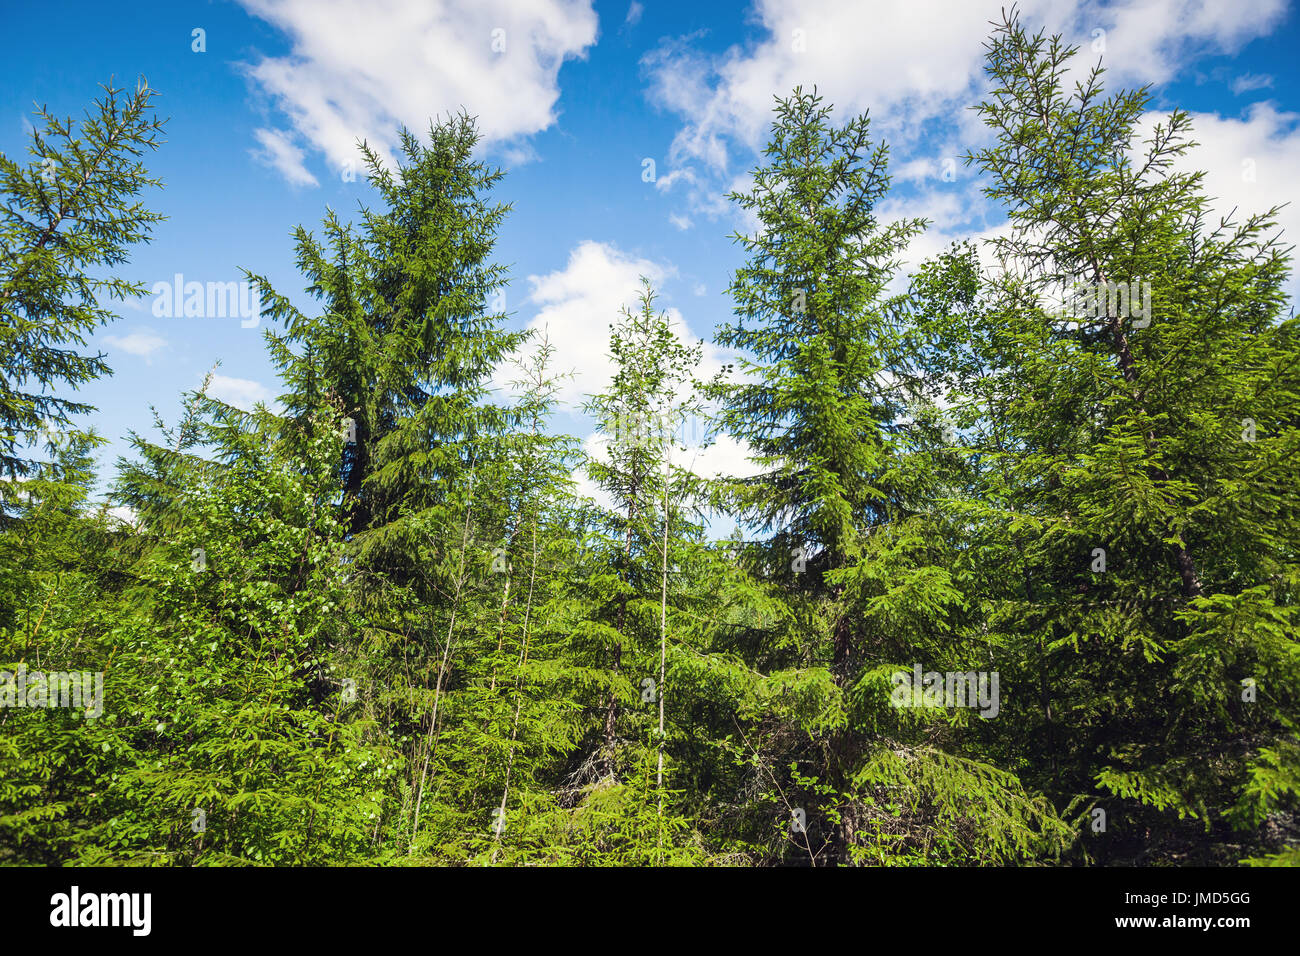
x,y
1021,586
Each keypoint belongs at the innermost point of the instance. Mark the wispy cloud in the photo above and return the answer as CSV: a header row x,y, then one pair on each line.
x,y
280,153
141,342
1248,82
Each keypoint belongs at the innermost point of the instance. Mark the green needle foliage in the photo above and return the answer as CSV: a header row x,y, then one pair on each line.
x,y
831,404
69,219
1141,502
381,623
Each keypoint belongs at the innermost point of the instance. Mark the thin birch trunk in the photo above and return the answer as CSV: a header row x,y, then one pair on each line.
x,y
663,656
519,697
431,740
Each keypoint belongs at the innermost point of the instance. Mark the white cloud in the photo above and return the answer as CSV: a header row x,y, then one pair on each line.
x,y
1248,82
125,515
1149,41
918,55
668,180
576,306
241,392
358,70
915,64
681,222
1250,164
518,154
280,153
726,456
142,342
634,12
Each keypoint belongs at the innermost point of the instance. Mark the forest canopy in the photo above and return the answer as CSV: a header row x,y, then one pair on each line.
x,y
1018,584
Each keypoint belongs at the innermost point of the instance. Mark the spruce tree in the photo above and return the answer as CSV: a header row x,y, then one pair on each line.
x,y
69,220
1139,388
833,370
408,335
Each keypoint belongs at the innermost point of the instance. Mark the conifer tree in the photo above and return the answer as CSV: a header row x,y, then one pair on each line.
x,y
833,372
408,335
223,735
1140,391
69,220
407,338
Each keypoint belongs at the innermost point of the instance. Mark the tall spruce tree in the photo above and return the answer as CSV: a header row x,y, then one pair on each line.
x,y
1139,541
69,220
832,374
222,734
408,336
409,332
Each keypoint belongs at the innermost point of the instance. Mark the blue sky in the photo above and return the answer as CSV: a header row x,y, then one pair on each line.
x,y
574,98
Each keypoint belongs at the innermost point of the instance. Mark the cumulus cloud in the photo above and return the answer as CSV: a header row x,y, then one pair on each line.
x,y
1249,163
124,515
916,65
913,55
725,457
241,392
577,304
356,71
1149,41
